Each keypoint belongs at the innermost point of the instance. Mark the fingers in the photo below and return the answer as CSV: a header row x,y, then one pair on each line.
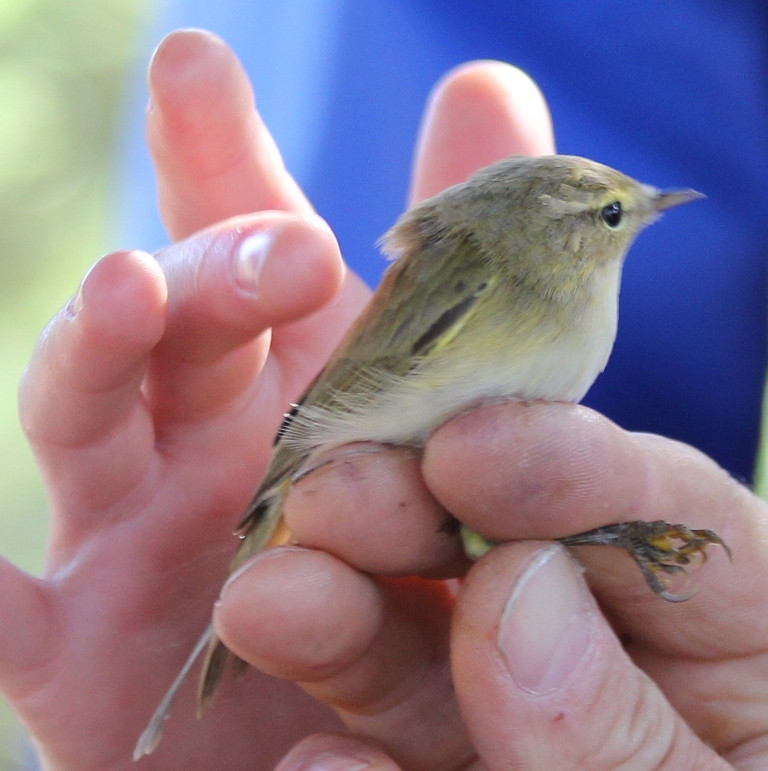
x,y
79,397
335,753
543,681
214,156
540,470
215,159
88,361
375,651
369,506
478,113
140,351
230,284
520,471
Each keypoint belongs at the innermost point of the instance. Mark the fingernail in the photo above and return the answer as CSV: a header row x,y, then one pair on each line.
x,y
251,256
269,554
331,762
546,625
75,305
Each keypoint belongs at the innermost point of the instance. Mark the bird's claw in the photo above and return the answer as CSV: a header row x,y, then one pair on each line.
x,y
659,548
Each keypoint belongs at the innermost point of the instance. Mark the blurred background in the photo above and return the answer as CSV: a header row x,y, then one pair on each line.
x,y
63,70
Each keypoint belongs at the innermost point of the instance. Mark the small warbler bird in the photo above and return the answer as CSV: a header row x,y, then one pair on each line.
x,y
505,285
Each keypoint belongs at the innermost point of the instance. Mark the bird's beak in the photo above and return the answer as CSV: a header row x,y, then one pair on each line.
x,y
666,199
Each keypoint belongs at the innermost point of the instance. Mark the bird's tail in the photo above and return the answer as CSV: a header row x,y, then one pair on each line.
x,y
149,740
265,528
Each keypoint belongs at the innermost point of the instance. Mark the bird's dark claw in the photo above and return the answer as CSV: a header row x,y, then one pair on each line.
x,y
660,549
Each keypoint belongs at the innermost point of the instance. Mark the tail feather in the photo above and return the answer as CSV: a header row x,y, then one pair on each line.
x,y
217,659
149,740
266,530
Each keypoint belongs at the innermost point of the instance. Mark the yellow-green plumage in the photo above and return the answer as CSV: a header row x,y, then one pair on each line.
x,y
506,285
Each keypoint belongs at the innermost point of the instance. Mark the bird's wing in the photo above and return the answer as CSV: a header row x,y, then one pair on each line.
x,y
419,307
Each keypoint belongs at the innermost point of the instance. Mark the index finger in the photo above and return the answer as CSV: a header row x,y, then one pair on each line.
x,y
213,154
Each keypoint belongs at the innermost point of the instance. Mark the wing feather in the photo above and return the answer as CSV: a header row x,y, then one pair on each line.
x,y
425,299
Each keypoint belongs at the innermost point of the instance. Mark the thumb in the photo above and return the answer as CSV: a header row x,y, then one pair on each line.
x,y
543,681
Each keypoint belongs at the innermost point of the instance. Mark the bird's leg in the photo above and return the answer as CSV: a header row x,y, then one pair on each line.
x,y
474,544
660,549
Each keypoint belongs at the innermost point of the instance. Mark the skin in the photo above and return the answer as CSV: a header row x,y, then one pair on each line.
x,y
150,403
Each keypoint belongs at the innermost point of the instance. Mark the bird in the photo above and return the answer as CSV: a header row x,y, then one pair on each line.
x,y
505,285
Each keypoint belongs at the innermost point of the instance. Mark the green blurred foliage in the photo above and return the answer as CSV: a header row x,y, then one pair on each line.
x,y
63,68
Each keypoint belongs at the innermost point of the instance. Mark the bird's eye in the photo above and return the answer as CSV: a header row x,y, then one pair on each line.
x,y
611,214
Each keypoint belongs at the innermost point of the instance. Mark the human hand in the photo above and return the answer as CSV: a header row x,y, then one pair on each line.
x,y
151,402
540,664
